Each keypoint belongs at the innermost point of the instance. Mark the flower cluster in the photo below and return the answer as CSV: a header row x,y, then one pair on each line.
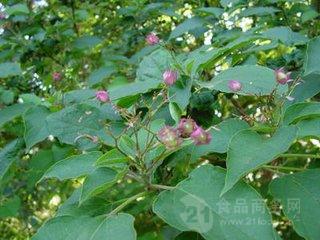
x,y
187,127
282,77
152,39
56,76
102,96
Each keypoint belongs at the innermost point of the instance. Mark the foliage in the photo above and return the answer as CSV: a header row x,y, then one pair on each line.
x,y
159,120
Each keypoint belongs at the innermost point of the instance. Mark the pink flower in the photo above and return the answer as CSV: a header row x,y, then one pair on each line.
x,y
200,136
234,85
56,76
186,126
170,137
102,96
152,39
281,76
2,16
170,77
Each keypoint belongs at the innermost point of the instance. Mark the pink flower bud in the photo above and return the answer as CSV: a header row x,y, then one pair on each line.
x,y
2,16
152,39
170,77
102,96
200,136
234,85
281,76
186,126
170,137
56,76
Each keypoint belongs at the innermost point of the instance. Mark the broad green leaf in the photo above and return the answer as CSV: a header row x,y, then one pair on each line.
x,y
132,89
20,8
309,87
9,113
100,74
195,204
86,42
72,124
33,99
217,12
311,61
6,96
221,136
112,158
255,80
154,65
8,155
10,207
301,111
230,3
93,207
309,128
205,57
98,181
258,11
187,25
285,35
113,227
180,93
248,151
36,129
42,161
175,111
299,194
77,96
9,69
73,167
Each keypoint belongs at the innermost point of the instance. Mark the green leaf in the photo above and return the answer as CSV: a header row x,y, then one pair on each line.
x,y
248,151
98,181
20,8
309,87
73,167
285,35
33,99
77,96
195,205
113,227
36,129
9,113
86,42
311,62
187,25
180,93
10,207
100,74
9,69
112,158
221,136
42,160
93,207
8,155
301,111
206,57
299,195
309,128
132,89
154,65
6,96
175,111
217,12
72,124
258,11
255,80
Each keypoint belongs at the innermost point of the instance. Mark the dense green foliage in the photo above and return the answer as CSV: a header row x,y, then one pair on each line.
x,y
159,120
